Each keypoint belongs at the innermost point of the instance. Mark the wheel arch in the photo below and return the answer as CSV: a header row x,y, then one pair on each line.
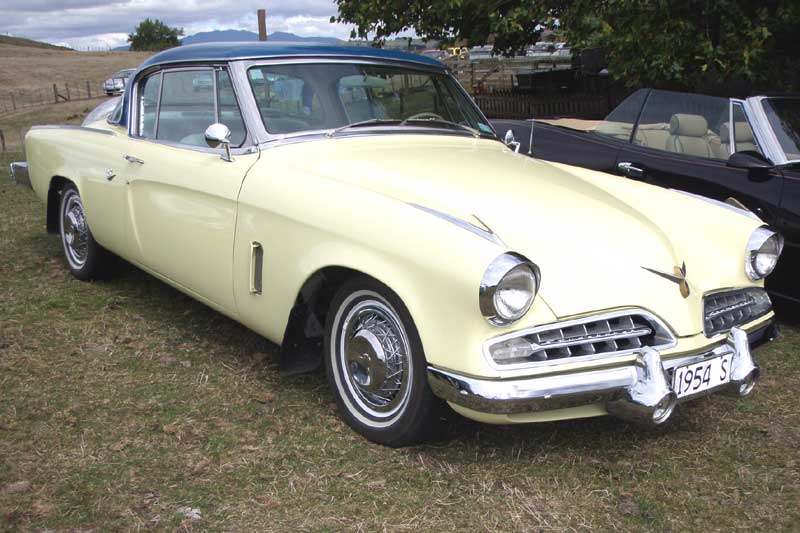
x,y
301,347
54,190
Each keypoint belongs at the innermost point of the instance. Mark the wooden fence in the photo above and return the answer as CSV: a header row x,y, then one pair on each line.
x,y
18,99
523,106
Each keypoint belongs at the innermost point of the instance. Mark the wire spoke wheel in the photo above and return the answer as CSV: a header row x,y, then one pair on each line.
x,y
374,353
74,230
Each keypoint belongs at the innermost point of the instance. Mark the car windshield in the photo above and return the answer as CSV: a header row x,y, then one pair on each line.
x,y
122,74
783,115
297,98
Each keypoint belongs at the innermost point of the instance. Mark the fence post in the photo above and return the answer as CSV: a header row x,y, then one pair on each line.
x,y
88,90
13,103
66,86
55,94
2,140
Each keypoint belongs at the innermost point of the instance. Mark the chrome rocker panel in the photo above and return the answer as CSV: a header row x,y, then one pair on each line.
x,y
639,393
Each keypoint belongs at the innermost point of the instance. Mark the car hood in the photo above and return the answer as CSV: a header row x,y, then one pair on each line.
x,y
593,235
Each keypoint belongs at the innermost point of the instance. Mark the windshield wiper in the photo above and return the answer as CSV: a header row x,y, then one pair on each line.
x,y
370,122
475,133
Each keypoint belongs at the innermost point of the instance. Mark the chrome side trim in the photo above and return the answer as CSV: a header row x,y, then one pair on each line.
x,y
484,233
723,205
19,173
67,127
574,322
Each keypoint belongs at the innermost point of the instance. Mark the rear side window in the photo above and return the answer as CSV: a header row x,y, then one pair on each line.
x,y
177,106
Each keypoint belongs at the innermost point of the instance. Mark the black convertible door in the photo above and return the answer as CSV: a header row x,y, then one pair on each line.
x,y
703,176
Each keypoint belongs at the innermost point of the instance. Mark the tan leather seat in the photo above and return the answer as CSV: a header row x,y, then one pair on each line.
x,y
688,134
652,136
744,137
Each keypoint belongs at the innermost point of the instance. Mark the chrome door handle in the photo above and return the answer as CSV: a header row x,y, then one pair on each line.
x,y
131,159
110,175
630,170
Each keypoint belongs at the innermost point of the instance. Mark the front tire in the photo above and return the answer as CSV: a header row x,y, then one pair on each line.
x,y
85,258
376,366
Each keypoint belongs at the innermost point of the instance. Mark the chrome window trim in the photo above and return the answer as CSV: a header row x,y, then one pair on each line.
x,y
732,127
249,145
574,322
763,131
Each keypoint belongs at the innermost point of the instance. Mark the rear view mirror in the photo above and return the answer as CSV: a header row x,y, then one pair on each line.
x,y
511,141
219,134
750,160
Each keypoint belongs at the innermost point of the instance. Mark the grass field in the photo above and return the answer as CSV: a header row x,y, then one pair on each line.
x,y
126,405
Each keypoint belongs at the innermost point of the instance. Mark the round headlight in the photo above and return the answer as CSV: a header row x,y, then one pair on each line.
x,y
508,288
763,250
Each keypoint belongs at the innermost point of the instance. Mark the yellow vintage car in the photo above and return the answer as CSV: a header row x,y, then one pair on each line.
x,y
355,207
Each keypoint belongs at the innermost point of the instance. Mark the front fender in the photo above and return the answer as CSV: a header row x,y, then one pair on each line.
x,y
307,223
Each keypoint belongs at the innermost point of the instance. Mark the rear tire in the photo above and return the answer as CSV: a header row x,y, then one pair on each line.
x,y
85,258
376,366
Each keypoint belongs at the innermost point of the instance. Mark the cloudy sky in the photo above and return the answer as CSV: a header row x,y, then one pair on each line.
x,y
100,23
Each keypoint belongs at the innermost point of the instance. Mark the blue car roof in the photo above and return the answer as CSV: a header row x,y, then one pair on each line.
x,y
252,50
221,52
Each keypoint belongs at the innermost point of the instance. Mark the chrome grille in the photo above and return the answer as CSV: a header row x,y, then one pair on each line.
x,y
592,336
724,310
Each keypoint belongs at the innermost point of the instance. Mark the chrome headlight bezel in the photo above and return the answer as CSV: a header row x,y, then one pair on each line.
x,y
762,241
498,271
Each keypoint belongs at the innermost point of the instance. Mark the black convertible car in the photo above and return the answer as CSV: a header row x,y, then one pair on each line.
x,y
745,152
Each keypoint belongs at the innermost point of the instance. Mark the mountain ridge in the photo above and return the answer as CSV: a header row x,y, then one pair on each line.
x,y
219,36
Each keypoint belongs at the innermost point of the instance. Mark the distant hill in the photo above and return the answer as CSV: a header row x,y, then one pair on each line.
x,y
229,36
19,41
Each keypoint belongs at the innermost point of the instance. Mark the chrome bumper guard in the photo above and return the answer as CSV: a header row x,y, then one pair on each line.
x,y
638,393
19,173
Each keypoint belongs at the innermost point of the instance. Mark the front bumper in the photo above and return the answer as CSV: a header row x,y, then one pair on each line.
x,y
640,392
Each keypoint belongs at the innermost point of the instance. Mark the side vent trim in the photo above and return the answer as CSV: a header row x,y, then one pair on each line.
x,y
256,267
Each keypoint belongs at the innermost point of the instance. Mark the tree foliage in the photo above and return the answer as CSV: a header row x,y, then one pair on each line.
x,y
153,36
510,25
690,44
709,45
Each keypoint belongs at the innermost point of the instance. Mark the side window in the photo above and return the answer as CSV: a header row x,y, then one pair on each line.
x,y
287,103
683,123
619,123
187,107
742,139
148,105
177,106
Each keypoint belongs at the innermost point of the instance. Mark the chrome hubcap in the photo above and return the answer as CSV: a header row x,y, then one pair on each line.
x,y
75,231
375,356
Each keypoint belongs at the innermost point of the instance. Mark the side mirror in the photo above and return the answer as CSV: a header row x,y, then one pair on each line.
x,y
219,134
511,141
750,160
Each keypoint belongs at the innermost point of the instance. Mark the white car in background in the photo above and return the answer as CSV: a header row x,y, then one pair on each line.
x,y
116,83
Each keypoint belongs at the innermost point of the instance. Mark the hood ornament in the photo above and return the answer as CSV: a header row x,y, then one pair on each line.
x,y
678,276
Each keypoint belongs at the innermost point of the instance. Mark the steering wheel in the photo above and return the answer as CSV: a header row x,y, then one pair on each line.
x,y
427,115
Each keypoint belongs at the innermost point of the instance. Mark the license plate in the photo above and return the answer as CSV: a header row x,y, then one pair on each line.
x,y
698,377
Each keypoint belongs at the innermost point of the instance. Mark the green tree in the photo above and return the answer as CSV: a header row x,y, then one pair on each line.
x,y
511,25
690,44
153,36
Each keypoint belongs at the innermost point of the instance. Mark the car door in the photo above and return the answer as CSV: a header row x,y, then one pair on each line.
x,y
182,195
682,141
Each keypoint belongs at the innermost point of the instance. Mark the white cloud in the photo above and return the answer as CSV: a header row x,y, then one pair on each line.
x,y
96,23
